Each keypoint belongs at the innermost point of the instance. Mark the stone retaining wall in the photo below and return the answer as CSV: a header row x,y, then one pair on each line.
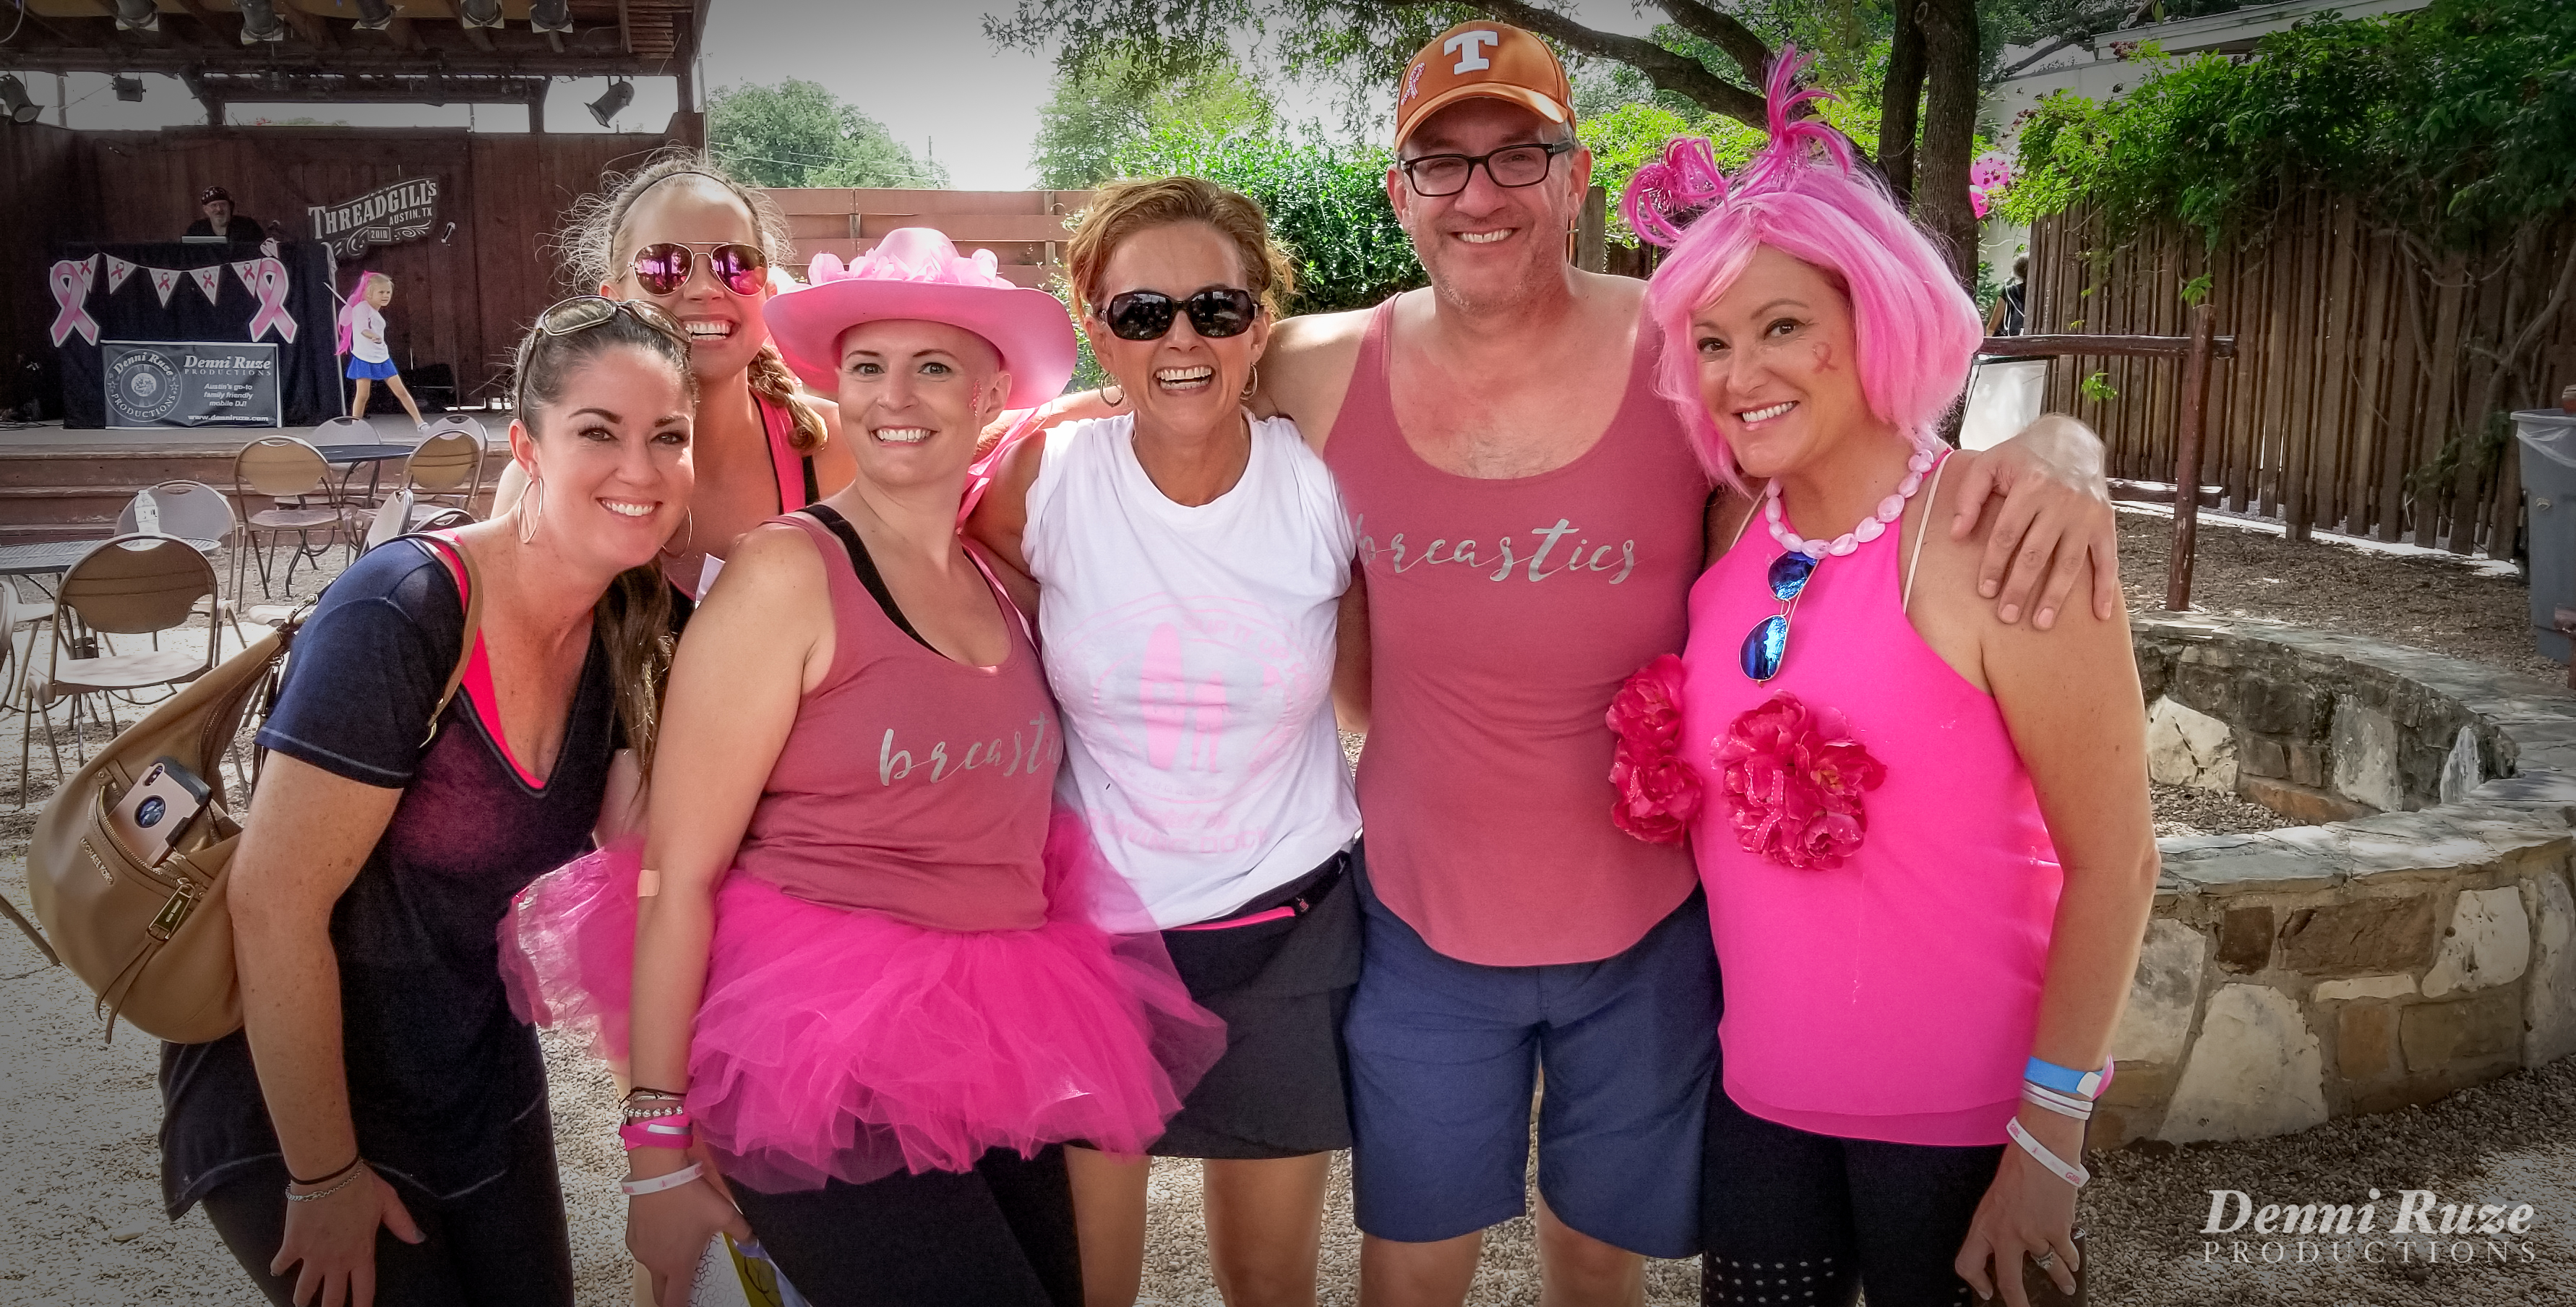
x,y
2425,942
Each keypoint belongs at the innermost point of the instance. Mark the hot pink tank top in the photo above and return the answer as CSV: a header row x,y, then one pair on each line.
x,y
911,784
1892,997
1503,615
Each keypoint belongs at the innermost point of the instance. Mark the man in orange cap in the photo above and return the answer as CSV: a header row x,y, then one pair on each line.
x,y
1530,519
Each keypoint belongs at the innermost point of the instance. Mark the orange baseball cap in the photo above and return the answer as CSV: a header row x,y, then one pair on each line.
x,y
1491,60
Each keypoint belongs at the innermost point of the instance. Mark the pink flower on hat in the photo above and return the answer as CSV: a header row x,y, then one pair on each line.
x,y
1793,779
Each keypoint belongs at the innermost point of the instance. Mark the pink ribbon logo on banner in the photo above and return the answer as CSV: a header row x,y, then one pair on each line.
x,y
209,279
270,287
71,281
117,271
164,280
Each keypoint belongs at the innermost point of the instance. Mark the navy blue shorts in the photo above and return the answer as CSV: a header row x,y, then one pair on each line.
x,y
1444,1057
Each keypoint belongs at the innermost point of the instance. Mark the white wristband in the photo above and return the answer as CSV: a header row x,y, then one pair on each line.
x,y
2057,1166
656,1184
2039,1096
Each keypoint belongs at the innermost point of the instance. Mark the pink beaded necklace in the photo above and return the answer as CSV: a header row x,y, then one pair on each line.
x,y
1870,528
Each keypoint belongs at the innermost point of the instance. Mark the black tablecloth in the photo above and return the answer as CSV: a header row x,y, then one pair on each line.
x,y
308,372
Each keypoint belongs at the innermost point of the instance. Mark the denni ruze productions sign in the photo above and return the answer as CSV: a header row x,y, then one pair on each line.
x,y
386,216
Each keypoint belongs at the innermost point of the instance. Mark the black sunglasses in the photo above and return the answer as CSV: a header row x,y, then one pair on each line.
x,y
1216,313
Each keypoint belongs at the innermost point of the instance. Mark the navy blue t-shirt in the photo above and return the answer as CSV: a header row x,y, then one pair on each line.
x,y
437,1067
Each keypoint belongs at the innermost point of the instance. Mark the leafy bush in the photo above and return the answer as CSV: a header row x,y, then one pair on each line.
x,y
1326,200
2452,123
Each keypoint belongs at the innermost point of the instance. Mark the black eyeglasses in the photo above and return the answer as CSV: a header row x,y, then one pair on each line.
x,y
1435,175
1216,313
663,267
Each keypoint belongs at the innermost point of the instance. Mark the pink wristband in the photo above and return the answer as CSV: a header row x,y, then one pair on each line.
x,y
672,1131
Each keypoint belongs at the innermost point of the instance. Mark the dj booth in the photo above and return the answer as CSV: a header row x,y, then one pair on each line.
x,y
195,334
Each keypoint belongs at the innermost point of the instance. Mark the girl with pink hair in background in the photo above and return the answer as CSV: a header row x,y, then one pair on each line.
x,y
1899,805
362,338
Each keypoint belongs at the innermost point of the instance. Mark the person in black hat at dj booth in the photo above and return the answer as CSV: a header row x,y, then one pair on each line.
x,y
221,220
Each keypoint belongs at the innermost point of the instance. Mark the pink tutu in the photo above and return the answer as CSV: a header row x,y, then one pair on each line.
x,y
838,1043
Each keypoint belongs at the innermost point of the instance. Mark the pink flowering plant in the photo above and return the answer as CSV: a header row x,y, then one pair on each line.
x,y
1793,779
1658,792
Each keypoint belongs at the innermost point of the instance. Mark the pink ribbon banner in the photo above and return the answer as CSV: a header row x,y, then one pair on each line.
x,y
71,281
267,280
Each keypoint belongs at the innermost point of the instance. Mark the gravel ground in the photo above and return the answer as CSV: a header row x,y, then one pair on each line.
x,y
85,1226
2183,810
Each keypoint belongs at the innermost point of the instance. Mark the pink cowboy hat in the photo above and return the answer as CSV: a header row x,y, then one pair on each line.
x,y
915,273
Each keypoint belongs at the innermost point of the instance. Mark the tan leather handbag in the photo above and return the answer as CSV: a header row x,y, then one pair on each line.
x,y
156,943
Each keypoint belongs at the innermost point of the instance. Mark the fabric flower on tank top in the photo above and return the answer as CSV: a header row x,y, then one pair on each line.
x,y
1793,779
1658,793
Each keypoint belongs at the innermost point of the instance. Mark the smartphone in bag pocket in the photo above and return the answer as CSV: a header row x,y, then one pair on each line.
x,y
156,811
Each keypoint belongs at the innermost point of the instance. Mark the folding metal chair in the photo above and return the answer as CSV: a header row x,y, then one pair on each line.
x,y
194,512
448,465
287,471
130,585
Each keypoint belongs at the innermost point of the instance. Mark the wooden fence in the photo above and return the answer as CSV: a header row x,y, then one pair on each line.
x,y
1025,230
2353,401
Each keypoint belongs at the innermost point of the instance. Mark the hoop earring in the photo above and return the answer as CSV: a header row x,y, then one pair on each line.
x,y
691,521
531,506
1120,402
1251,383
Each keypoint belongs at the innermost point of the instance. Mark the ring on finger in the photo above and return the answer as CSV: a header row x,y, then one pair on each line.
x,y
2044,1258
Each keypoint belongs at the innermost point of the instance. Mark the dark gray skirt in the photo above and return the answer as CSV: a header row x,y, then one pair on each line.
x,y
1282,987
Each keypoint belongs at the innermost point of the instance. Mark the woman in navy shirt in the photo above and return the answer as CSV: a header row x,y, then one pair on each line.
x,y
379,1131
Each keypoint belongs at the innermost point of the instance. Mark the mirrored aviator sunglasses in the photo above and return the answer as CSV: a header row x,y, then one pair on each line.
x,y
663,267
1766,646
1216,313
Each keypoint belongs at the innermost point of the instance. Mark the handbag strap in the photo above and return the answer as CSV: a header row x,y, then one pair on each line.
x,y
470,583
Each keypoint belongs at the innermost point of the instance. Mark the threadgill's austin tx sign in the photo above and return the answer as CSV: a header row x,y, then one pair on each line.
x,y
387,216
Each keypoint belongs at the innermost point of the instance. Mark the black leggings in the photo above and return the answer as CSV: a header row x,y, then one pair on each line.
x,y
1810,1220
502,1245
1000,1235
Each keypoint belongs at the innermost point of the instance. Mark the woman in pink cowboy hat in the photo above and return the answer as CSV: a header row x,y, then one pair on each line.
x,y
861,964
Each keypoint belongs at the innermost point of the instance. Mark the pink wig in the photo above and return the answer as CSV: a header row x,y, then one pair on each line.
x,y
1916,329
349,308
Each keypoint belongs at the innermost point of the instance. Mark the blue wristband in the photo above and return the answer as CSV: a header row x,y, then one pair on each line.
x,y
2065,1080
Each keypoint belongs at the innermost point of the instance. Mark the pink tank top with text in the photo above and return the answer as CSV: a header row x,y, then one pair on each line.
x,y
1892,997
911,784
1503,615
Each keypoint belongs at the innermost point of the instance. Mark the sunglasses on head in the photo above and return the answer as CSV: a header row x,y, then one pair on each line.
x,y
584,312
1217,312
663,267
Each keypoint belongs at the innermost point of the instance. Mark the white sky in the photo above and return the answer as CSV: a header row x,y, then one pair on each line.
x,y
921,67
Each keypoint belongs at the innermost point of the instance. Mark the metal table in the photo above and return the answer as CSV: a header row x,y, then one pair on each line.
x,y
374,457
56,557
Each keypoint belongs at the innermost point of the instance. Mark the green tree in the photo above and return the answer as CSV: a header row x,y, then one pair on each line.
x,y
796,133
1114,104
1326,200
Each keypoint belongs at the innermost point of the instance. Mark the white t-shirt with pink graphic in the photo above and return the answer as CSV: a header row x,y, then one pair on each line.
x,y
1191,654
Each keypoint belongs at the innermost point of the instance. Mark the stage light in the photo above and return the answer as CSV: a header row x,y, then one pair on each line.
x,y
375,15
259,22
128,89
620,95
479,13
550,15
137,16
13,99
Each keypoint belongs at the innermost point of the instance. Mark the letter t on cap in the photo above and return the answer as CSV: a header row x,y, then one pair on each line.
x,y
1466,46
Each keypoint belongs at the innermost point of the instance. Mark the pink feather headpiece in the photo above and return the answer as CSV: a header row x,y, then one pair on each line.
x,y
1663,197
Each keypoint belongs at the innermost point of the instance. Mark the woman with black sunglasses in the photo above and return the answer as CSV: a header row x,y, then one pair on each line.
x,y
1186,562
684,235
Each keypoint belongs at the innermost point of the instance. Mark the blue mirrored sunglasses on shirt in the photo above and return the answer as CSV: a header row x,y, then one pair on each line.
x,y
1768,642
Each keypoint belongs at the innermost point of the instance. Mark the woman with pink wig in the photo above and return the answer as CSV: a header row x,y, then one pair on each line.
x,y
1924,832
